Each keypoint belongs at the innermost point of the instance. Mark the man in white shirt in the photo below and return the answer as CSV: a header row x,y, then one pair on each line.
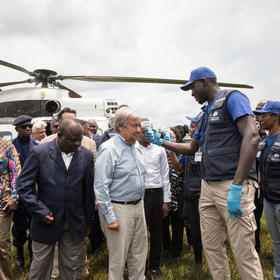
x,y
157,196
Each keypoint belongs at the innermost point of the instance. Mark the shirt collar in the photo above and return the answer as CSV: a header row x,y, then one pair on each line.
x,y
123,140
68,155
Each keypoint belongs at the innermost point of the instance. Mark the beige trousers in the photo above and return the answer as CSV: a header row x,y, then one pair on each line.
x,y
55,270
215,221
5,246
70,259
129,244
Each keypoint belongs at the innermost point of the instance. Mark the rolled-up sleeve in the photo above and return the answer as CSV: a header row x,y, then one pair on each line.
x,y
103,179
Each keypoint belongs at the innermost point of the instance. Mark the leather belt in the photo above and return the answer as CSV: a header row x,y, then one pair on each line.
x,y
152,190
133,202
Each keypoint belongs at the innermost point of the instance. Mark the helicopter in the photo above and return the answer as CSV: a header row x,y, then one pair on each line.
x,y
49,96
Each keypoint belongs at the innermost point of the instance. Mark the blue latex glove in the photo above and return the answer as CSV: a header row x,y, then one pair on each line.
x,y
168,137
233,202
154,137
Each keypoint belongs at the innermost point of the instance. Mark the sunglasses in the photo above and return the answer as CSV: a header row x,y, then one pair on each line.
x,y
25,126
55,126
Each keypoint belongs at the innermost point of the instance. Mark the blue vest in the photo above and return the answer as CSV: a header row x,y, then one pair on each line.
x,y
192,178
269,167
221,143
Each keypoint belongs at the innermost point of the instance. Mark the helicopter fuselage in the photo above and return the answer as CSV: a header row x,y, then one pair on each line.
x,y
45,103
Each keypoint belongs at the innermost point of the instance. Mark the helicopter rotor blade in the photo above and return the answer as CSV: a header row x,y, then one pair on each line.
x,y
16,67
15,83
72,93
116,79
233,85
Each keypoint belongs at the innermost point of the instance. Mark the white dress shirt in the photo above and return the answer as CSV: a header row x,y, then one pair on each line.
x,y
67,159
157,169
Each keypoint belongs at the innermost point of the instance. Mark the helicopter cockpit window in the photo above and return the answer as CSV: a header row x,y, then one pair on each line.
x,y
34,108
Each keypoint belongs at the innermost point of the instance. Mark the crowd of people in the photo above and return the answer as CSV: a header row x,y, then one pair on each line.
x,y
58,190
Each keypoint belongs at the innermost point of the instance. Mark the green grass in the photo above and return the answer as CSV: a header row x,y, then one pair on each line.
x,y
98,266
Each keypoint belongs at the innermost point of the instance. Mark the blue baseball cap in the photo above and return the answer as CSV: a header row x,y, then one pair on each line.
x,y
194,119
269,107
199,74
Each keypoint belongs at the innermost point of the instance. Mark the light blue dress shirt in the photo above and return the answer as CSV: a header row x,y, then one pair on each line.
x,y
119,175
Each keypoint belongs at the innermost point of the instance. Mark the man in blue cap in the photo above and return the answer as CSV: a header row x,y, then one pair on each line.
x,y
226,139
22,219
268,158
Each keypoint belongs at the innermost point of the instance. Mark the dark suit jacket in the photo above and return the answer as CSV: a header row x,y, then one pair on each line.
x,y
97,138
68,194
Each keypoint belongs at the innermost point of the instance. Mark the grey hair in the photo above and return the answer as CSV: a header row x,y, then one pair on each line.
x,y
122,115
38,124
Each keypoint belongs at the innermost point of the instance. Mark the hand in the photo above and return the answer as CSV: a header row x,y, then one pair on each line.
x,y
154,137
10,206
48,219
114,226
165,210
233,202
168,137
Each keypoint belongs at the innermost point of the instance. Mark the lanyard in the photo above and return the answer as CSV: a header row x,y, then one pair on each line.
x,y
205,118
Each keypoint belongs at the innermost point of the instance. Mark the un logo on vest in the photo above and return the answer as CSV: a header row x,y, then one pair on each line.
x,y
215,116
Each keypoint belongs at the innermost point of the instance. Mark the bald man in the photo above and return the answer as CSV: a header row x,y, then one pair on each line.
x,y
62,208
68,113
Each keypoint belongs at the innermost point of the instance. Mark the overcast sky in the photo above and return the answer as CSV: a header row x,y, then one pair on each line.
x,y
237,39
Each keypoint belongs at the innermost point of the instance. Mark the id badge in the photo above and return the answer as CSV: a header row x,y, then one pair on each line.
x,y
258,154
198,156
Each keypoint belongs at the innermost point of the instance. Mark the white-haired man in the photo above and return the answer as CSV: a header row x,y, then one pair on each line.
x,y
39,130
119,189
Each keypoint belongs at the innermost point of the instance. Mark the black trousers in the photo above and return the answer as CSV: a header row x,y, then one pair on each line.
x,y
22,222
173,245
194,221
258,214
153,201
96,236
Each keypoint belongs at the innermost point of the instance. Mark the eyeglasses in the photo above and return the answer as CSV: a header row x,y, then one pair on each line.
x,y
25,126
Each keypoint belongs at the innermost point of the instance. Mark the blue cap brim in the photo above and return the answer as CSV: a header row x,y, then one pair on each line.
x,y
186,86
260,111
